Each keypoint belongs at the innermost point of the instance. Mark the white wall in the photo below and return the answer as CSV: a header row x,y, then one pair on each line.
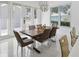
x,y
75,15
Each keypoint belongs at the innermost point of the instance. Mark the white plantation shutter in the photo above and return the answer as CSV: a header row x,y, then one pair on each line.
x,y
3,19
16,16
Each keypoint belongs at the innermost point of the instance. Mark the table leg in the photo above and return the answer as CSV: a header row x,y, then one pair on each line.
x,y
34,47
36,50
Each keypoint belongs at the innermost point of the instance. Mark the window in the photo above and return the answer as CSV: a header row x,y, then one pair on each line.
x,y
61,15
3,19
65,15
27,17
27,13
54,15
16,16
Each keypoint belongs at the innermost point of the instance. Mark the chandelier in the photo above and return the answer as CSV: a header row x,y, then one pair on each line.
x,y
43,6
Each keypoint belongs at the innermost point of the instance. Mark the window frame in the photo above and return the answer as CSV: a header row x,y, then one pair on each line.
x,y
59,13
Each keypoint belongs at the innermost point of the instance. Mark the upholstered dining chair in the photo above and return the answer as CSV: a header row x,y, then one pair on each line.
x,y
64,46
44,26
74,37
53,33
43,37
31,27
22,42
39,26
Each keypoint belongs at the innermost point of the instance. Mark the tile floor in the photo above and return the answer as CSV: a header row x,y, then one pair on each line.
x,y
8,47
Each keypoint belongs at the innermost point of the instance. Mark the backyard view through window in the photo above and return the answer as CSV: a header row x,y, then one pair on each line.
x,y
60,15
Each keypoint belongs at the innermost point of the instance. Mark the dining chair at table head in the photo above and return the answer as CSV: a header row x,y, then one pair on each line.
x,y
46,33
52,35
64,46
43,37
53,32
22,42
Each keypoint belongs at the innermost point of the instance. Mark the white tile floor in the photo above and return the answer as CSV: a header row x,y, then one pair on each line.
x,y
8,48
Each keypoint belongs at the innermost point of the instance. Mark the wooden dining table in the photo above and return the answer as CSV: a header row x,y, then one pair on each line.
x,y
34,33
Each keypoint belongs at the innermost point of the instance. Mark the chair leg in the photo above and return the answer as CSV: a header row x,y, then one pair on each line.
x,y
22,54
49,43
34,47
17,48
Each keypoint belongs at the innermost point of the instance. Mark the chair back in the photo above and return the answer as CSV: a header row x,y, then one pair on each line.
x,y
46,33
73,36
39,26
18,38
32,27
73,32
44,36
72,39
53,32
64,46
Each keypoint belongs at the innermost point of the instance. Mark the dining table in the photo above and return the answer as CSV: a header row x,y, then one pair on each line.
x,y
34,33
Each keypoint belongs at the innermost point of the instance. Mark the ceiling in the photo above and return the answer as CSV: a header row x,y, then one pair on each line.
x,y
36,3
